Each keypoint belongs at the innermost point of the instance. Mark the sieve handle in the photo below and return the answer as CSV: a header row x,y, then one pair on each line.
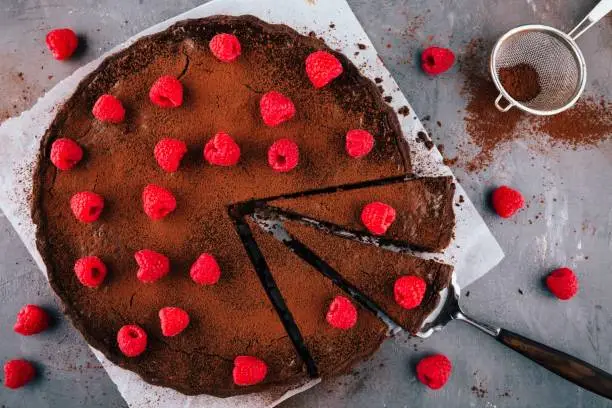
x,y
501,108
598,12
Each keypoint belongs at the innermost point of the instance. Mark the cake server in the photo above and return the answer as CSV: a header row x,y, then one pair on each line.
x,y
554,55
571,368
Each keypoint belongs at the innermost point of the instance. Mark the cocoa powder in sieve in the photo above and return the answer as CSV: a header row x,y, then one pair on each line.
x,y
520,81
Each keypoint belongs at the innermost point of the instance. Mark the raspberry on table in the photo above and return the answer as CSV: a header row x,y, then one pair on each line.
x,y
62,42
205,270
226,47
283,155
65,153
409,291
563,283
342,314
222,150
359,143
173,320
377,217
436,60
152,265
90,271
108,109
276,108
18,373
169,153
86,206
249,370
167,92
322,68
507,201
132,340
157,201
31,319
434,371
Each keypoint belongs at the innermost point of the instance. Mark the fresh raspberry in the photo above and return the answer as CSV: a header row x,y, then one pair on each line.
x,y
86,206
90,271
322,67
359,143
18,373
249,370
563,283
205,270
65,153
173,320
167,92
169,153
132,340
507,201
436,60
151,265
221,150
62,42
31,319
434,371
276,108
225,47
342,314
377,217
157,201
108,109
283,155
409,291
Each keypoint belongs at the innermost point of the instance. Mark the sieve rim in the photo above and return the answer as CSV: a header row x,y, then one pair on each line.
x,y
572,45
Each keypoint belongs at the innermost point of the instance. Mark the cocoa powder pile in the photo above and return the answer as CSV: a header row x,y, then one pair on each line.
x,y
520,81
588,123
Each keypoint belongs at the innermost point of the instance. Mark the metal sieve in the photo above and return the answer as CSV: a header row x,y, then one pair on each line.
x,y
554,55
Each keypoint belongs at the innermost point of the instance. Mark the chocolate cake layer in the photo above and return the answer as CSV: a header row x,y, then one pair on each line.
x,y
308,295
233,317
424,209
374,271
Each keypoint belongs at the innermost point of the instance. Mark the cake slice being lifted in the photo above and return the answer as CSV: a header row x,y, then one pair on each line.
x,y
424,216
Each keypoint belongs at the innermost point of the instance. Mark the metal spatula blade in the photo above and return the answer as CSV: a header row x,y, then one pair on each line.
x,y
575,370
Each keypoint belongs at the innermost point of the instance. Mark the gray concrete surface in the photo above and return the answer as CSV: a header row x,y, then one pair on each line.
x,y
568,190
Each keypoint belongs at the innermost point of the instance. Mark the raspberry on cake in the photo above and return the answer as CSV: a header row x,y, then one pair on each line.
x,y
359,143
86,206
283,155
108,109
169,153
132,340
249,370
31,319
173,320
409,291
226,47
65,153
90,271
152,265
157,202
222,150
167,92
18,373
62,42
322,68
342,314
276,108
205,270
377,217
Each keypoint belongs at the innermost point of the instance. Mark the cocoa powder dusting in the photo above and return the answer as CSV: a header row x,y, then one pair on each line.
x,y
520,81
588,123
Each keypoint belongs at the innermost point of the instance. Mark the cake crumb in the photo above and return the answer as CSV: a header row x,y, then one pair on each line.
x,y
404,111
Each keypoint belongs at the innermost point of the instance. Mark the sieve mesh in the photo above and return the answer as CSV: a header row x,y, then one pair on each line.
x,y
559,70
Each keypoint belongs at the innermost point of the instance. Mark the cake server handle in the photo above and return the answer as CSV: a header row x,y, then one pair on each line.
x,y
599,11
572,369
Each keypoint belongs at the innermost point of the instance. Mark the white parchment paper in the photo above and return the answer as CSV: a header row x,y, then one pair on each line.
x,y
474,251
